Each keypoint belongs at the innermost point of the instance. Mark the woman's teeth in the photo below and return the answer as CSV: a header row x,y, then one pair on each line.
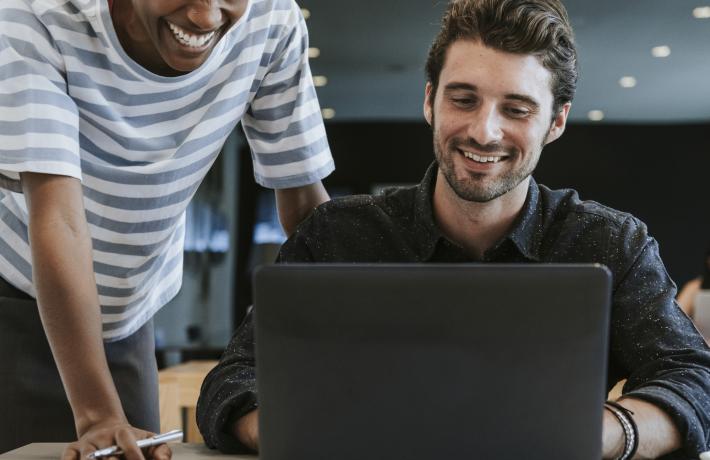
x,y
481,159
187,39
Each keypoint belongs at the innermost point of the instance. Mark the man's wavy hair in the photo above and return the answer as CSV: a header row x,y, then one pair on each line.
x,y
537,27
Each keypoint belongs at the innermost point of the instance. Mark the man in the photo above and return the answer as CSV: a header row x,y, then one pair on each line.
x,y
501,77
111,113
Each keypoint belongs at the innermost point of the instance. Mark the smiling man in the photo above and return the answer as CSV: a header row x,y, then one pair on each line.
x,y
111,114
501,77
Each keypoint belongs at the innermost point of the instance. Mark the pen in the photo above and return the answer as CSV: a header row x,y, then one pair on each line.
x,y
175,435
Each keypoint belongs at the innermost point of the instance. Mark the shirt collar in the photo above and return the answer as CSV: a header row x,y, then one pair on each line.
x,y
427,233
525,235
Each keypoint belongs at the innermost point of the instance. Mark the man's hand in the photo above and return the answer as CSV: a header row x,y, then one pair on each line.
x,y
246,430
118,433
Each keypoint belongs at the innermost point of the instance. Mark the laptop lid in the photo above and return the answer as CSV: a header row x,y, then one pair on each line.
x,y
431,361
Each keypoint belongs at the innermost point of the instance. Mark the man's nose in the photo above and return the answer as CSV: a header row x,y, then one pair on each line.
x,y
205,14
486,125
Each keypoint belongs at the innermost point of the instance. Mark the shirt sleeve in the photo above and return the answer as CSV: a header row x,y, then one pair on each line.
x,y
662,355
38,119
284,125
229,390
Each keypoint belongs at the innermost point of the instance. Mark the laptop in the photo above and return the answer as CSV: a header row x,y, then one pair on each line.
x,y
431,362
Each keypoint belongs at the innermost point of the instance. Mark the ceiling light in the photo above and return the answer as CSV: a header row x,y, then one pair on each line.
x,y
627,82
595,115
313,53
320,80
702,12
306,13
661,51
328,114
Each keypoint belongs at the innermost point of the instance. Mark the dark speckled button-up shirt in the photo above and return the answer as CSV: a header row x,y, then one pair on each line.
x,y
653,344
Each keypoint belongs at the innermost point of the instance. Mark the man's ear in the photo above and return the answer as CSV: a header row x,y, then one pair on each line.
x,y
428,102
558,124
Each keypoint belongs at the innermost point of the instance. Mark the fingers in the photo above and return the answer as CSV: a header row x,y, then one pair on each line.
x,y
126,440
160,452
72,452
86,448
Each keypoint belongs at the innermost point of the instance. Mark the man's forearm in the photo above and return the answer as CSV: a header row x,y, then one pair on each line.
x,y
295,204
68,302
658,434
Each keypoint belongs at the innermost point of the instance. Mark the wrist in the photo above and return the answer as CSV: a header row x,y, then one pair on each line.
x,y
89,419
613,436
628,426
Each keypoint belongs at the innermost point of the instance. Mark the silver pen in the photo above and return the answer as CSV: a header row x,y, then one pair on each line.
x,y
175,435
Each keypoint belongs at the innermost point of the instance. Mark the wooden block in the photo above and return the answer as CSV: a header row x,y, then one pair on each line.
x,y
170,414
179,388
192,433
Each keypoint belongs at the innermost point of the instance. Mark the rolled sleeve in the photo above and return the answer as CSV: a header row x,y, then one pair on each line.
x,y
39,121
229,392
665,359
284,125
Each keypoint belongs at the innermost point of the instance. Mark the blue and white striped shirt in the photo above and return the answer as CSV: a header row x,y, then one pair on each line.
x,y
73,103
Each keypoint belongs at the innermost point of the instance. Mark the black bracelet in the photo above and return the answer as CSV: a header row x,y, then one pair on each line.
x,y
631,432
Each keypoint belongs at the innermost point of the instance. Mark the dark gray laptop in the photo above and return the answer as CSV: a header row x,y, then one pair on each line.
x,y
431,362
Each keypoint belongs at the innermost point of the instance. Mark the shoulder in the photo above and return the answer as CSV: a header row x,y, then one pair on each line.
x,y
275,12
46,8
348,213
566,204
52,19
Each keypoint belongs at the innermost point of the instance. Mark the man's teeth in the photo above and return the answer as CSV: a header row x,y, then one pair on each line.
x,y
481,159
194,41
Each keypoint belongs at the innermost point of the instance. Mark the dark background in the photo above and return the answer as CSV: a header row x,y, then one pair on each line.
x,y
656,172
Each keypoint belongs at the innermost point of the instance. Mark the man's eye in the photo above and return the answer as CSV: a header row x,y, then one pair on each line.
x,y
463,101
518,112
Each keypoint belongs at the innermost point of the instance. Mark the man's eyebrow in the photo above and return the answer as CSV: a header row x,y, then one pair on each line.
x,y
458,86
524,99
461,86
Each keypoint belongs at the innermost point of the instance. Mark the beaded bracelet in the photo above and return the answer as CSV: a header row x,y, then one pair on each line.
x,y
631,433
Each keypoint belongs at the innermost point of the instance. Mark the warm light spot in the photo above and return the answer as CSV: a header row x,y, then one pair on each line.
x,y
661,51
702,12
596,115
320,80
627,82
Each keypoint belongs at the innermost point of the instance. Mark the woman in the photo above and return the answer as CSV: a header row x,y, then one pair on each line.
x,y
111,113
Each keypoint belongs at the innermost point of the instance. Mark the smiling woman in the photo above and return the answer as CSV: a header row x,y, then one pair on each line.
x,y
111,114
172,37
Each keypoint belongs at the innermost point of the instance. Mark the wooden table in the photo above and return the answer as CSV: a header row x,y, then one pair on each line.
x,y
181,451
179,388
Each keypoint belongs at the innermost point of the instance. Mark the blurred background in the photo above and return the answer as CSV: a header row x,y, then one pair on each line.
x,y
637,141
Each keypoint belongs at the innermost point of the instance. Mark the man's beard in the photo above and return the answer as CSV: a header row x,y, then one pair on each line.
x,y
474,187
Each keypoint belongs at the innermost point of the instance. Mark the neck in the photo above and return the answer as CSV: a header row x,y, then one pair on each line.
x,y
475,226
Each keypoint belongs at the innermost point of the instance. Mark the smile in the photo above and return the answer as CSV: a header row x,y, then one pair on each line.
x,y
191,40
481,159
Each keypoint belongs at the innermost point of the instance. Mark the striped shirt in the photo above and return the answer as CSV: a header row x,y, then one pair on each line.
x,y
73,103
